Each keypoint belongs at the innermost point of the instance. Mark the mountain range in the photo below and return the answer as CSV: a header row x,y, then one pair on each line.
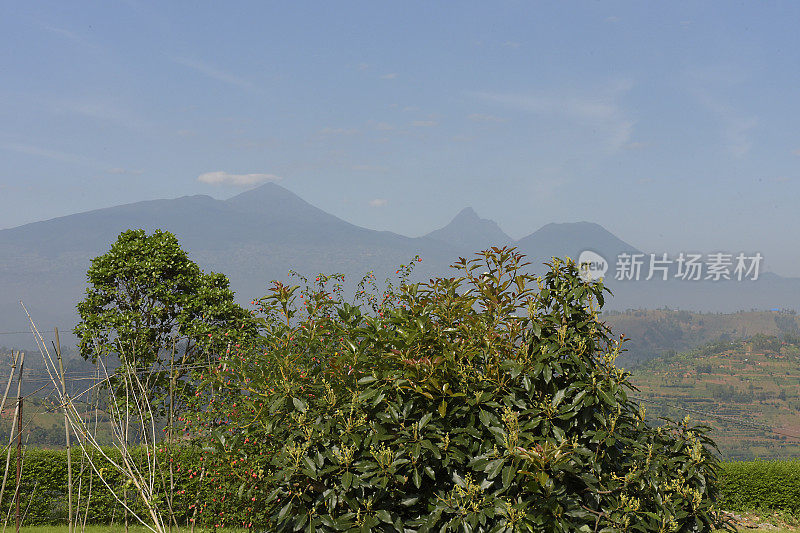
x,y
260,234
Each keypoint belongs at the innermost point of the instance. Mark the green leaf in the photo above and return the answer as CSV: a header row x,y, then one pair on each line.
x,y
508,476
408,502
558,397
424,420
299,404
493,468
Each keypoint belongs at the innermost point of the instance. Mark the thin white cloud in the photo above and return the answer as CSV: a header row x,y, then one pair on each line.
x,y
102,109
62,32
122,171
237,180
599,114
636,146
482,117
424,123
369,168
737,132
46,153
66,157
214,73
712,87
378,202
382,126
338,131
575,107
736,126
389,76
547,183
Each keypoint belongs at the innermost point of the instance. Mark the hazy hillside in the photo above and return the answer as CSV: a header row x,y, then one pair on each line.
x,y
664,332
747,391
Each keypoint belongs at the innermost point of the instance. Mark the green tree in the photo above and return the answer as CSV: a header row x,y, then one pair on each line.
x,y
149,305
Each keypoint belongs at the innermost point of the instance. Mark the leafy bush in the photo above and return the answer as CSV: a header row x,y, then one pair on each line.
x,y
773,485
484,402
43,487
743,486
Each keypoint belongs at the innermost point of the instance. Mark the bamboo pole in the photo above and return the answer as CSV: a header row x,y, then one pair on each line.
x,y
170,444
20,399
13,425
14,357
96,396
66,427
125,451
120,421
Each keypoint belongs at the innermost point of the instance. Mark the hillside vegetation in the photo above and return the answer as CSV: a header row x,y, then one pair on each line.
x,y
655,333
748,391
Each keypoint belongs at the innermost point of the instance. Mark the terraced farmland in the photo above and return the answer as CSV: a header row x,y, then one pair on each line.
x,y
748,391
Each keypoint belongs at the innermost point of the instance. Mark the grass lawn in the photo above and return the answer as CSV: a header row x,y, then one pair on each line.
x,y
140,529
117,528
768,530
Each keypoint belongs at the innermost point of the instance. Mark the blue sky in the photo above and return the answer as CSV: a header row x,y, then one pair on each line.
x,y
674,125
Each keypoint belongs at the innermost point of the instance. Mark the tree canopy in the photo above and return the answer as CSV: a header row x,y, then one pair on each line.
x,y
147,303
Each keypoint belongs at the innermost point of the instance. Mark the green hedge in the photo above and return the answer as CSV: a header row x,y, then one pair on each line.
x,y
743,486
755,485
43,491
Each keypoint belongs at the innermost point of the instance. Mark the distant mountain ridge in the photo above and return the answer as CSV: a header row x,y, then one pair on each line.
x,y
260,234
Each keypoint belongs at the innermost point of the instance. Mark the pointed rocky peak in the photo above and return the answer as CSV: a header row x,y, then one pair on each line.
x,y
466,215
468,232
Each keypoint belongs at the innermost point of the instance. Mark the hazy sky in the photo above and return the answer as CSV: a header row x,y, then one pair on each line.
x,y
674,125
